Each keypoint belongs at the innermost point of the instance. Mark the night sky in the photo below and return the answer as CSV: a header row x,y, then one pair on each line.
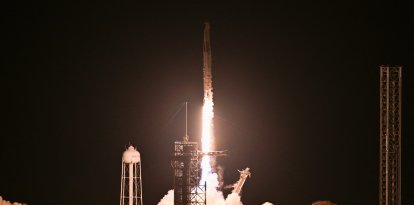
x,y
296,92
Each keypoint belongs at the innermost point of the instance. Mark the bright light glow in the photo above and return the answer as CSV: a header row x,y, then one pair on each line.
x,y
207,135
207,127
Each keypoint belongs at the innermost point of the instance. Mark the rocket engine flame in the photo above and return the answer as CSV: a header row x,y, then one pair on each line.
x,y
207,129
206,139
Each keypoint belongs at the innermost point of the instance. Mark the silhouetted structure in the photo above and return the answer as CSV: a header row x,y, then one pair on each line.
x,y
187,190
390,135
186,165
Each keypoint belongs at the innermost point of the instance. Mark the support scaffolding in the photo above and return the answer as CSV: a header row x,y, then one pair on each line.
x,y
186,165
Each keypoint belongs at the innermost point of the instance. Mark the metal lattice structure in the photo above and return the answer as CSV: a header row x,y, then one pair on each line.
x,y
186,165
390,136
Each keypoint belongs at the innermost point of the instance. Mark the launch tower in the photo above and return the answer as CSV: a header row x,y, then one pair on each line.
x,y
186,165
390,136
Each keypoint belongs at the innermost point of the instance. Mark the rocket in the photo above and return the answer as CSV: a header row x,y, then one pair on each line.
x,y
208,87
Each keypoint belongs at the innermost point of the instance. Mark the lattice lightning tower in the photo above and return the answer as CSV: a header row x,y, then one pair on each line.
x,y
390,136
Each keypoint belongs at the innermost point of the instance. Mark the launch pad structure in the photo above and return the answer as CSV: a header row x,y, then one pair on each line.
x,y
186,164
390,135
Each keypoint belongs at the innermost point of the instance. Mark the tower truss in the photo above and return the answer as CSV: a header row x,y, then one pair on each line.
x,y
186,165
390,136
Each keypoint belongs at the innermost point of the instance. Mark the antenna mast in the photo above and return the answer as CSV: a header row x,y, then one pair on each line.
x,y
186,138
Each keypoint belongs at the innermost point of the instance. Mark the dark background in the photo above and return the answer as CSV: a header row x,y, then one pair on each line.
x,y
296,92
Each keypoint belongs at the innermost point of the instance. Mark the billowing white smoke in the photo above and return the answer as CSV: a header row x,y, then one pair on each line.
x,y
168,199
214,197
4,202
233,199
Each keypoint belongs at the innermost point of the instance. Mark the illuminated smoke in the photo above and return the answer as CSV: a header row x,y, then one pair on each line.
x,y
168,199
233,199
207,133
4,202
214,197
207,126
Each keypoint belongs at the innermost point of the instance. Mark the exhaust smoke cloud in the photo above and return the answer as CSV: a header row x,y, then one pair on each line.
x,y
5,202
214,196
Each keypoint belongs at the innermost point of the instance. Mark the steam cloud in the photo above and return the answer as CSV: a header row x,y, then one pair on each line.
x,y
168,199
5,202
214,197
